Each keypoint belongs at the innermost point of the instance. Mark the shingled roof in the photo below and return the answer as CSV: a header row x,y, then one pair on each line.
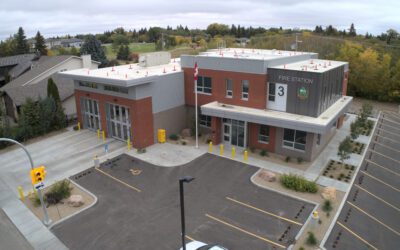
x,y
25,86
19,63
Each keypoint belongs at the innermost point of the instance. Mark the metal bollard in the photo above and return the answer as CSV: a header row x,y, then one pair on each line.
x,y
96,162
221,149
210,147
104,135
245,155
129,144
98,133
79,126
233,152
21,194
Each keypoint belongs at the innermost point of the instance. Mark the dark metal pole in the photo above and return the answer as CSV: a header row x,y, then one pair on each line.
x,y
182,213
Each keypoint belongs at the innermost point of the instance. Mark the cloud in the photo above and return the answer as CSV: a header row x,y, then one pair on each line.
x,y
77,17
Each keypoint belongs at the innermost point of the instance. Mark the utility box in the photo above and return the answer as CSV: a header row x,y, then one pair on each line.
x,y
161,136
154,59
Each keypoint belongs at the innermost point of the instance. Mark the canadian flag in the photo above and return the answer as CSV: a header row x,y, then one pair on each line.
x,y
196,71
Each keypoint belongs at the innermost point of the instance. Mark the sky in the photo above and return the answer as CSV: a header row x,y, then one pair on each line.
x,y
54,17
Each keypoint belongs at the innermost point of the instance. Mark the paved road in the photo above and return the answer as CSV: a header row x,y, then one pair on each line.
x,y
222,206
63,155
370,218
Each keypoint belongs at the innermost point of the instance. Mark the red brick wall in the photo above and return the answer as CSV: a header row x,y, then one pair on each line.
x,y
257,88
340,121
216,130
253,142
140,112
345,81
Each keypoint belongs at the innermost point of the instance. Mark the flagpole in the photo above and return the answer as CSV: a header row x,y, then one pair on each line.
x,y
195,100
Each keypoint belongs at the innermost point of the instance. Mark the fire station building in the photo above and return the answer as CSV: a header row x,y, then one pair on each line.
x,y
286,102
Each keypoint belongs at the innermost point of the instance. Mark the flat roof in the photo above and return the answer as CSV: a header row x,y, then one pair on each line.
x,y
320,124
124,75
245,53
311,65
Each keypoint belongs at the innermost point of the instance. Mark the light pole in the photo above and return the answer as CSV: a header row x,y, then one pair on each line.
x,y
186,179
46,219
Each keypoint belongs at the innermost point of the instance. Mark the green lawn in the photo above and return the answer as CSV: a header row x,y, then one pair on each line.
x,y
133,47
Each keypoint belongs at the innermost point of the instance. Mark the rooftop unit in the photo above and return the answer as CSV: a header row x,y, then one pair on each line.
x,y
154,59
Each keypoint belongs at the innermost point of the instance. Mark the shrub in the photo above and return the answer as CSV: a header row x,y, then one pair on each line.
x,y
141,150
287,159
58,191
208,141
35,199
263,152
298,183
320,222
311,240
75,128
173,137
327,206
301,248
183,142
300,160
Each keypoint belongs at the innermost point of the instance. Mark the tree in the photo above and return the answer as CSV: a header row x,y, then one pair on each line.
x,y
52,90
21,42
344,149
391,35
218,29
123,52
93,47
352,30
40,45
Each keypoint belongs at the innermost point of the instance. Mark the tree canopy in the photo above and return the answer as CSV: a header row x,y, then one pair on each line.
x,y
93,47
40,45
21,42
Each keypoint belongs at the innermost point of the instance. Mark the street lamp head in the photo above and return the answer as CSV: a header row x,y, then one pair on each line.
x,y
186,179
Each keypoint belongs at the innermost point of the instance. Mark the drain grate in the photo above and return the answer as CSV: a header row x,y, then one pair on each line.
x,y
82,174
336,242
285,233
300,211
355,195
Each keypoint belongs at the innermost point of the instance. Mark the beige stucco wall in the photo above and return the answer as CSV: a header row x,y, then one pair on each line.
x,y
69,106
172,120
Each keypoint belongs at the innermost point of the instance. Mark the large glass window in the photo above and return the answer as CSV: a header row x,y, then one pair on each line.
x,y
245,89
229,88
205,121
88,85
271,92
204,84
263,134
116,89
295,139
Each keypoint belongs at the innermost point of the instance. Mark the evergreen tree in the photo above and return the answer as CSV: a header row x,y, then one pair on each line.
x,y
93,47
21,42
52,90
352,30
123,52
344,149
40,45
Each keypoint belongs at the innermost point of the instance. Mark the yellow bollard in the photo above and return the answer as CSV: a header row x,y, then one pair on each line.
x,y
79,126
233,153
210,147
21,194
245,156
98,133
221,149
129,144
104,135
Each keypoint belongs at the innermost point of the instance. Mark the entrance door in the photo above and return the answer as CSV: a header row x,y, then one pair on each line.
x,y
227,133
277,96
234,132
90,114
118,120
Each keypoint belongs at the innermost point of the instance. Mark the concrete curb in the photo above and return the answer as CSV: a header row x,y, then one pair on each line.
x,y
330,228
80,211
292,196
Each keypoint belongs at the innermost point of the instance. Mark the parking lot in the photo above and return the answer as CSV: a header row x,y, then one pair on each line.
x,y
370,218
138,207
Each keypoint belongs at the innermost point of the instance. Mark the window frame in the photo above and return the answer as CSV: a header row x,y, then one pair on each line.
x,y
245,94
201,85
292,144
229,92
271,96
260,136
205,122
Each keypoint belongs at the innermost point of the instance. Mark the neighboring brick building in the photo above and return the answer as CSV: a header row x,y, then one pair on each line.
x,y
285,102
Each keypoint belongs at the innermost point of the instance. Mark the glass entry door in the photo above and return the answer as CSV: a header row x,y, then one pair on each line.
x,y
118,121
90,114
234,132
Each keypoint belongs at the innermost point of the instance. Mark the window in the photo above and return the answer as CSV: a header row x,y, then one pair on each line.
x,y
205,121
295,139
271,92
263,134
229,88
204,84
116,89
245,89
88,85
319,139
